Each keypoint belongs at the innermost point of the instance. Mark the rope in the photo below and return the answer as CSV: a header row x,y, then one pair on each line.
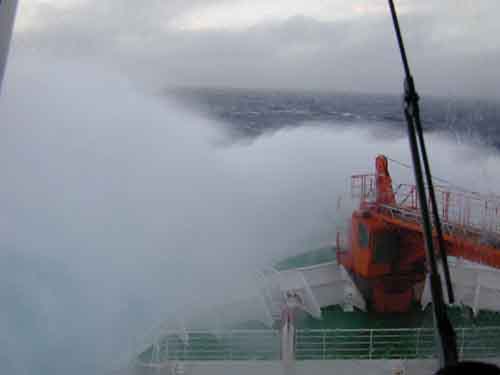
x,y
442,180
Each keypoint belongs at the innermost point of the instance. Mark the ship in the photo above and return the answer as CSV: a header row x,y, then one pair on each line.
x,y
358,305
364,298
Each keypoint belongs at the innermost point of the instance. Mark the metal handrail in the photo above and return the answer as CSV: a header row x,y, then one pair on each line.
x,y
316,344
470,210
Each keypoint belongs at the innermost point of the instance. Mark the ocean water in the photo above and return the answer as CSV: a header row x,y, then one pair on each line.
x,y
249,113
120,208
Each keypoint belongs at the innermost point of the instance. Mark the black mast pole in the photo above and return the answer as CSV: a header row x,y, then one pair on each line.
x,y
444,333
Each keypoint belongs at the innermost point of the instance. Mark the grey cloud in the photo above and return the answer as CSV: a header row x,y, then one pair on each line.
x,y
451,46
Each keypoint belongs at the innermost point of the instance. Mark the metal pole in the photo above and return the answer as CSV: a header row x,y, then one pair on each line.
x,y
418,342
432,199
462,344
324,344
445,335
371,343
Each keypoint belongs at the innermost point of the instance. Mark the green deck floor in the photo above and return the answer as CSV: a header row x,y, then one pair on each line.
x,y
252,341
309,258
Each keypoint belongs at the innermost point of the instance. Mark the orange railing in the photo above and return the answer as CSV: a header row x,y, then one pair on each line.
x,y
471,211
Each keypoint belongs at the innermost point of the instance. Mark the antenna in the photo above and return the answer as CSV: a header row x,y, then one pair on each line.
x,y
445,335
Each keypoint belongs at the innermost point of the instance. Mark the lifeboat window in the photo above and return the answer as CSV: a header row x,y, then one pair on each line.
x,y
363,235
386,247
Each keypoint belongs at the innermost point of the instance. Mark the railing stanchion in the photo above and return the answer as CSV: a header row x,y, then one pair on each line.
x,y
371,344
417,346
462,344
317,344
324,344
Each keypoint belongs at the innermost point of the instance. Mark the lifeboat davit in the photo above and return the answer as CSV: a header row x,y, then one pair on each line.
x,y
385,254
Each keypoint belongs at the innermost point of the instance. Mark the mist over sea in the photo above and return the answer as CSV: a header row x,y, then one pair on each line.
x,y
250,113
121,207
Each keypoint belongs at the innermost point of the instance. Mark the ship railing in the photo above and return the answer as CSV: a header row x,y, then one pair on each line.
x,y
412,343
207,345
460,210
469,210
363,187
317,344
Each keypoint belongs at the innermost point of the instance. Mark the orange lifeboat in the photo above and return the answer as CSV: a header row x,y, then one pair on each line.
x,y
386,256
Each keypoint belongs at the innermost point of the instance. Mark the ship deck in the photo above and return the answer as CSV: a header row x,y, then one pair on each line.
x,y
317,344
339,335
310,258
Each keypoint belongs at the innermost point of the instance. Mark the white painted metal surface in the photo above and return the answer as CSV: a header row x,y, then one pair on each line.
x,y
318,286
288,334
476,286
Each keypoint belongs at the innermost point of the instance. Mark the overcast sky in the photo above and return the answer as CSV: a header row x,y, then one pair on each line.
x,y
343,45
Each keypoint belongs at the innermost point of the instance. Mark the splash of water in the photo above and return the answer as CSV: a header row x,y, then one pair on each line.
x,y
119,208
